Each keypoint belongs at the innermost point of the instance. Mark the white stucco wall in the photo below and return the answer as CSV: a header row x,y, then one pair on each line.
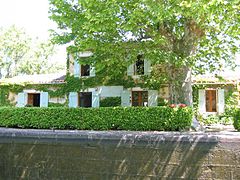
x,y
61,100
110,91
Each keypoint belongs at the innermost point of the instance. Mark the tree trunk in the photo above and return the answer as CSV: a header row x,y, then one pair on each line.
x,y
181,85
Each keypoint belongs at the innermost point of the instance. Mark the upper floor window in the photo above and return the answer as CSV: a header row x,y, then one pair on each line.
x,y
85,70
139,66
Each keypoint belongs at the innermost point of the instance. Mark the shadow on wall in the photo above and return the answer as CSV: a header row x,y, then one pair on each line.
x,y
172,158
93,157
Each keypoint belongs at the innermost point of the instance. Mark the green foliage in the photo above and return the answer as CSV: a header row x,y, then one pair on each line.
x,y
117,118
110,102
236,122
162,102
21,54
51,104
183,35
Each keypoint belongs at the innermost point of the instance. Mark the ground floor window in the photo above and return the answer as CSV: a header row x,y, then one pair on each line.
x,y
139,98
34,99
85,99
211,100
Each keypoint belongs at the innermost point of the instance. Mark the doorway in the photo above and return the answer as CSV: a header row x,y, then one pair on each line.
x,y
211,100
85,99
139,98
34,99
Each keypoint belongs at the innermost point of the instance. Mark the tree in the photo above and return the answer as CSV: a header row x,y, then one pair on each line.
x,y
14,45
21,54
180,35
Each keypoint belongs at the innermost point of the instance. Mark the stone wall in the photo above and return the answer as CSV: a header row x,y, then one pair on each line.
x,y
54,154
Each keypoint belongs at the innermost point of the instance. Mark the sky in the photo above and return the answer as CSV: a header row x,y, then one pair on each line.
x,y
32,15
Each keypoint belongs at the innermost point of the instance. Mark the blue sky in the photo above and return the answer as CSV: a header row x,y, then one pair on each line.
x,y
32,15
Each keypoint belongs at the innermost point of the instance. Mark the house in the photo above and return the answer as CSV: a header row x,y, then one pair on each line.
x,y
213,93
30,95
40,90
29,90
91,97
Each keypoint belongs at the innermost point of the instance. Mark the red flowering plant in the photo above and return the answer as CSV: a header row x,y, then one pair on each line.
x,y
177,105
172,105
182,105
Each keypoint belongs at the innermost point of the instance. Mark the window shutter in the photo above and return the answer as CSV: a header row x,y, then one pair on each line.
x,y
130,70
77,69
201,101
152,97
22,99
221,101
147,67
73,99
92,71
125,98
44,99
95,99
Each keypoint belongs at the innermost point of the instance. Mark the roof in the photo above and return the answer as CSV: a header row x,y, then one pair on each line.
x,y
56,78
216,79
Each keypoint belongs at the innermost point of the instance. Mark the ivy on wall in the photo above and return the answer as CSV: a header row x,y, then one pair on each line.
x,y
72,84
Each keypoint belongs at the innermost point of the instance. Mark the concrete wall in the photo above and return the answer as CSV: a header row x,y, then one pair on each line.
x,y
42,154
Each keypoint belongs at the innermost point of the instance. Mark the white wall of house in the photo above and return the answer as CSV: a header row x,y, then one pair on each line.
x,y
60,100
110,91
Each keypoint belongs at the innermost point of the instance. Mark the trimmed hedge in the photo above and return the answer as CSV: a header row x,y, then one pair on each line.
x,y
113,118
236,122
110,102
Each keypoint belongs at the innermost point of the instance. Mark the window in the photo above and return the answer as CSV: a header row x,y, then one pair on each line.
x,y
211,101
139,98
85,70
139,66
34,99
85,99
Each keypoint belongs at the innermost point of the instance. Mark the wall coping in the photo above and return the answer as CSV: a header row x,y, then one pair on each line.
x,y
125,136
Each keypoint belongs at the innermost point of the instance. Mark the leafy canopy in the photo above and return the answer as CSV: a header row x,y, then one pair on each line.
x,y
21,54
198,34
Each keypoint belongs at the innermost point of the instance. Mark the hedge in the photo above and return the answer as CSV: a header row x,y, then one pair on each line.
x,y
105,118
110,102
236,122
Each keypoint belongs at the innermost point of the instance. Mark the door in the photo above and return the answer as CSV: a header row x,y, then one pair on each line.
x,y
139,98
211,101
85,99
34,99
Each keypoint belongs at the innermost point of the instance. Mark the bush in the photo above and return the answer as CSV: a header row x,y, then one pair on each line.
x,y
51,104
236,122
110,102
117,118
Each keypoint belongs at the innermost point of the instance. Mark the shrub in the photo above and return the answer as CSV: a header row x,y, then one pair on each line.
x,y
236,122
51,104
116,118
110,102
